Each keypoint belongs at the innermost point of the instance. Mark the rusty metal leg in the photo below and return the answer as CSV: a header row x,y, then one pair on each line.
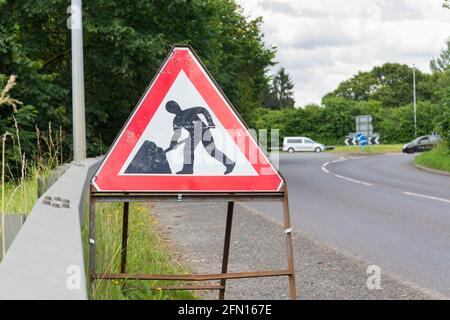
x,y
289,252
92,240
123,260
226,247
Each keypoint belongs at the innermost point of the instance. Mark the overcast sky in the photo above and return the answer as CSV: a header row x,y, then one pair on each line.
x,y
323,42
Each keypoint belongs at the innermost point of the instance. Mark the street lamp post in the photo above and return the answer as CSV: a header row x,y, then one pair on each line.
x,y
78,113
414,99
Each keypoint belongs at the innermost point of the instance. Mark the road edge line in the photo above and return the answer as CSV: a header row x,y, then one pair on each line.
x,y
418,195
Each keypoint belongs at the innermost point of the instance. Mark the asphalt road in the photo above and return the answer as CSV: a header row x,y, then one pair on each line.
x,y
379,209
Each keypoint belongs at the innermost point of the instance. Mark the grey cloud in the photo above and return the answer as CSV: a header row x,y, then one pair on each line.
x,y
399,9
278,7
322,39
287,8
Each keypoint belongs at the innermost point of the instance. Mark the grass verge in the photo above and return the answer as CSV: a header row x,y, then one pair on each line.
x,y
21,195
438,159
19,198
375,148
147,253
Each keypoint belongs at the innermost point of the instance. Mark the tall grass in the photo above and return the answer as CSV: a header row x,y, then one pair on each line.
x,y
147,253
20,172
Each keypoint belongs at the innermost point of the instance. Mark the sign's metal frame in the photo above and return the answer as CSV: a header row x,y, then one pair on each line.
x,y
230,198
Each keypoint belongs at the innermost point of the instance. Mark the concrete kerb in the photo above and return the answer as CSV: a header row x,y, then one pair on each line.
x,y
420,167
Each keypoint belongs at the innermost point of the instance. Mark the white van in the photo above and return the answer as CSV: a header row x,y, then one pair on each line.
x,y
292,144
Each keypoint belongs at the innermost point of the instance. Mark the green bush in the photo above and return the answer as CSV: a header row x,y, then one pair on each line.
x,y
438,158
331,123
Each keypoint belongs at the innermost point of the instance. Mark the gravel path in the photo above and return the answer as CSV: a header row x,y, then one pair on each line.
x,y
257,243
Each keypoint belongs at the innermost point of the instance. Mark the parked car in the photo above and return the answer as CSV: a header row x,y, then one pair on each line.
x,y
292,144
421,144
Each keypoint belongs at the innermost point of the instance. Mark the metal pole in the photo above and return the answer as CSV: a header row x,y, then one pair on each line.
x,y
414,97
78,115
92,240
123,260
3,198
226,247
289,250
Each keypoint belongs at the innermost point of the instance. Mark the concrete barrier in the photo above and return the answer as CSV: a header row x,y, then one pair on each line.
x,y
13,223
46,260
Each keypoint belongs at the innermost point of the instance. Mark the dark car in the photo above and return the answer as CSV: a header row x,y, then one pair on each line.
x,y
421,144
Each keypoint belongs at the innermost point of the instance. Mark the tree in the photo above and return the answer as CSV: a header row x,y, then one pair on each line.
x,y
124,46
391,84
442,62
279,94
442,121
441,73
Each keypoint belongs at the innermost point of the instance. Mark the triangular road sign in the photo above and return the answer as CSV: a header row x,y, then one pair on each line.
x,y
184,136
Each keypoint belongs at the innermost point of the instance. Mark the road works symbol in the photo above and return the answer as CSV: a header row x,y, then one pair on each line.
x,y
184,135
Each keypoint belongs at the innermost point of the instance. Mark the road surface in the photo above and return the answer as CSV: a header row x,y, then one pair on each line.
x,y
379,209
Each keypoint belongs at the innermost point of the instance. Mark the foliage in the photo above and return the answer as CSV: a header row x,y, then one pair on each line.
x,y
332,122
442,121
386,93
391,84
123,45
279,93
442,63
441,74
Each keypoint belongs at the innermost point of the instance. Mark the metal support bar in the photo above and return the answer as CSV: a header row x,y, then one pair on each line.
x,y
226,247
289,251
193,277
200,197
181,287
123,260
92,238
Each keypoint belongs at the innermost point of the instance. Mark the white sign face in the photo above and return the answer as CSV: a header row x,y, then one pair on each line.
x,y
160,130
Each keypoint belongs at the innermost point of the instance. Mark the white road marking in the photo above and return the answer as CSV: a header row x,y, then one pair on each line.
x,y
353,180
342,177
425,196
325,169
